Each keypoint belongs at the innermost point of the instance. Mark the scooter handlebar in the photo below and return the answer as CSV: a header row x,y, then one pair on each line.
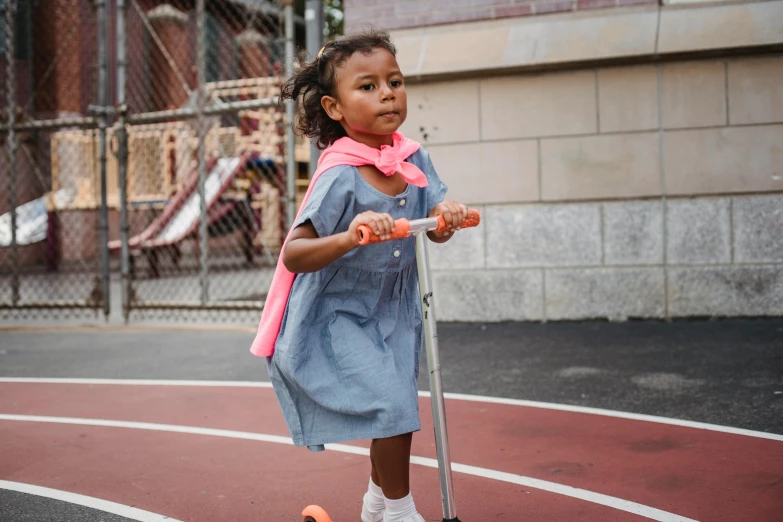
x,y
402,228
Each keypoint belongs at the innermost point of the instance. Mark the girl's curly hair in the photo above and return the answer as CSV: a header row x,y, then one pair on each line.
x,y
316,79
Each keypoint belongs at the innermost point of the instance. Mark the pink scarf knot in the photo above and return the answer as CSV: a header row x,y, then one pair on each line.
x,y
391,160
388,161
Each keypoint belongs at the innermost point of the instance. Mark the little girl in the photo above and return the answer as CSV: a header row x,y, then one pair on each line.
x,y
342,326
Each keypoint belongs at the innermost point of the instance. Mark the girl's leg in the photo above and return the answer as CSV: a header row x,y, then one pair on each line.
x,y
391,465
374,472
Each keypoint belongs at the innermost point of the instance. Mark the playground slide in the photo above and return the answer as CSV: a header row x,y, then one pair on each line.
x,y
180,217
32,219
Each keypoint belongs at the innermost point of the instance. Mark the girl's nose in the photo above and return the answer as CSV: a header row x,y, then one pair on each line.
x,y
387,93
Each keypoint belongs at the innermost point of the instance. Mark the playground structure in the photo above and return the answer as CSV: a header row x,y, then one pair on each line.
x,y
244,185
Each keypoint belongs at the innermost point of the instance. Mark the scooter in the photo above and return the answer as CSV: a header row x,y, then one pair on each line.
x,y
419,227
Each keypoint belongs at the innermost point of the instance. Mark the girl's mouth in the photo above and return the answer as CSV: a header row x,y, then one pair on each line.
x,y
390,114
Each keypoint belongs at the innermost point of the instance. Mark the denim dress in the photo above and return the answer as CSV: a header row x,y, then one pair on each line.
x,y
346,359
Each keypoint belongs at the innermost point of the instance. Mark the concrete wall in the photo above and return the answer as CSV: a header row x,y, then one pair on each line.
x,y
415,13
612,184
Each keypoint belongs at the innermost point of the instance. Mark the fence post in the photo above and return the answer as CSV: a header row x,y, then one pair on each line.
x,y
289,112
102,116
122,157
314,20
201,67
11,90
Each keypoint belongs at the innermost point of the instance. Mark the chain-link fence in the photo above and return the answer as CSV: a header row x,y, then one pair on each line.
x,y
202,81
50,256
160,154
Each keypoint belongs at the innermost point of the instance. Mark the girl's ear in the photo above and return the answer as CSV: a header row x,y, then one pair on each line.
x,y
332,108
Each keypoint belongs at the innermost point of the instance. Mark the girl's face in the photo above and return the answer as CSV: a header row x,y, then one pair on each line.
x,y
371,103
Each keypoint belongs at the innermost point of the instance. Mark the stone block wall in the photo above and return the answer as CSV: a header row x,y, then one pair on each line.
x,y
593,134
413,13
591,212
608,190
679,257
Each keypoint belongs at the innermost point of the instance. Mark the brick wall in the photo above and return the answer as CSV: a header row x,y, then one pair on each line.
x,y
171,26
413,13
64,58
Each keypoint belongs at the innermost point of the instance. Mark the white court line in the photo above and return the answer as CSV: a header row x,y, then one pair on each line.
x,y
453,396
90,502
582,494
613,413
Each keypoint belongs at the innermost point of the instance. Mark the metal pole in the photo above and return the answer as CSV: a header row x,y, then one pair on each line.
x,y
34,125
436,386
314,26
289,112
29,44
102,102
184,114
11,89
314,31
201,64
122,157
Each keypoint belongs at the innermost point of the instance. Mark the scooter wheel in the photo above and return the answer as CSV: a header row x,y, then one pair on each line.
x,y
315,514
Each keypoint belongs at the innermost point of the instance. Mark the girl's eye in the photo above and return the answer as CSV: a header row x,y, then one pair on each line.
x,y
396,83
366,87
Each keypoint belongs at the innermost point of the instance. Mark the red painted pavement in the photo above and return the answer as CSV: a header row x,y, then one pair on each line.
x,y
212,479
704,475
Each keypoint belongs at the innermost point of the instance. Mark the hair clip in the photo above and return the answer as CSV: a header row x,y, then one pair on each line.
x,y
320,53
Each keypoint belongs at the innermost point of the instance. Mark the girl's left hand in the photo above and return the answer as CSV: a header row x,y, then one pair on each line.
x,y
453,214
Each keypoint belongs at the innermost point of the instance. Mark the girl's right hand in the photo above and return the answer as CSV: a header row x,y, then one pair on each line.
x,y
381,224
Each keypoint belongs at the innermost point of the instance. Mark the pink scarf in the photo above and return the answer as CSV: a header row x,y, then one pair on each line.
x,y
345,151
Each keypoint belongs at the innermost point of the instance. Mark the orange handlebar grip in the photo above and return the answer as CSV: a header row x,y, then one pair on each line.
x,y
402,228
472,220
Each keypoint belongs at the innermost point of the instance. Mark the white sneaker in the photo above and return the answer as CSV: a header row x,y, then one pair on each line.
x,y
412,518
371,516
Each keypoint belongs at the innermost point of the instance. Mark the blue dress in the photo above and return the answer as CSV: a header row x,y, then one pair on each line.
x,y
346,360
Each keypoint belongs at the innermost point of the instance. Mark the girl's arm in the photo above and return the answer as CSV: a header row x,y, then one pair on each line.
x,y
306,252
453,214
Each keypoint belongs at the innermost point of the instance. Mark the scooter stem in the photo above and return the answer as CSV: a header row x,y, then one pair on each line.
x,y
436,386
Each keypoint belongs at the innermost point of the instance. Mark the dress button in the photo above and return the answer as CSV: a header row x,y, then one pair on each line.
x,y
402,202
396,253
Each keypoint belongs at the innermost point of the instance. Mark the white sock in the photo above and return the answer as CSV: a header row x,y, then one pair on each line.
x,y
373,499
398,509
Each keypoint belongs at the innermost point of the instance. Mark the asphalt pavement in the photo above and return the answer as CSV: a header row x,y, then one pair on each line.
x,y
727,372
